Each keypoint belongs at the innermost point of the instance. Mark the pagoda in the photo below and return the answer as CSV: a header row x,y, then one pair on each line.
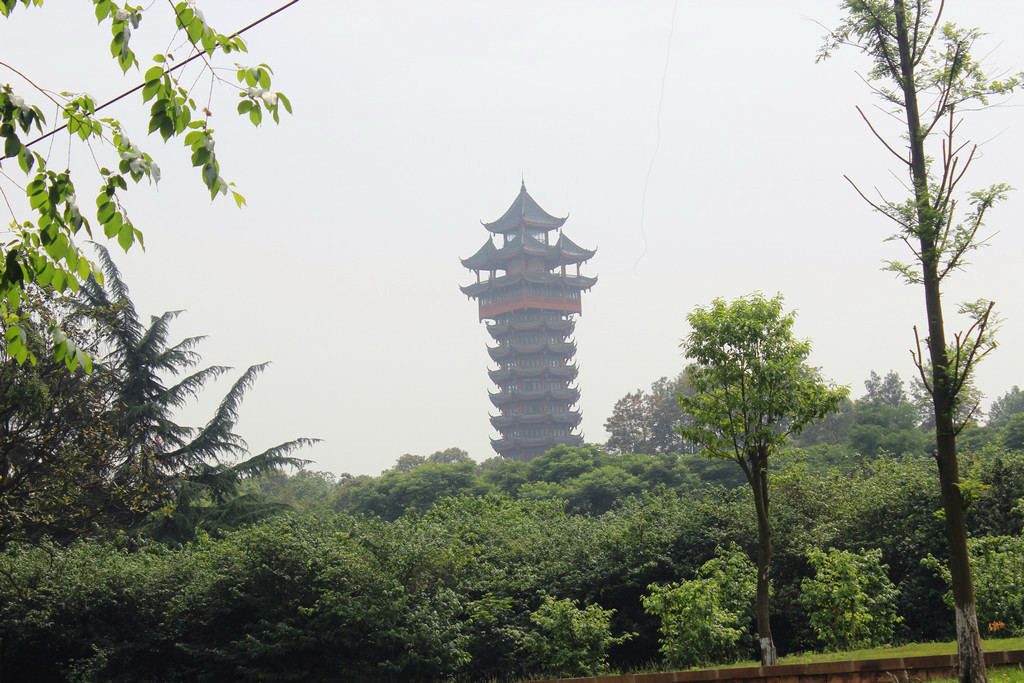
x,y
530,302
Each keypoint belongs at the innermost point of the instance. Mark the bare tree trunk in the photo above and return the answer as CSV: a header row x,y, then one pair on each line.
x,y
972,661
759,483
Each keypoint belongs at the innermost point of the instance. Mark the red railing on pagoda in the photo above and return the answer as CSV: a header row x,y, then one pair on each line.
x,y
554,303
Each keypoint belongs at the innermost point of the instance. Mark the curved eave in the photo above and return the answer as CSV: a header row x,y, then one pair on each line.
x,y
567,372
508,444
481,259
559,349
564,252
570,250
564,326
570,281
524,211
568,396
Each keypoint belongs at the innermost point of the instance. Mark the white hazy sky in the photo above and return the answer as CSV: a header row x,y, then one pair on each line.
x,y
414,121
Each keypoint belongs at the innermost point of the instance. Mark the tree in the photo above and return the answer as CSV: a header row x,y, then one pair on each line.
x,y
55,435
884,420
570,641
191,474
707,619
752,389
43,251
850,597
886,390
1006,406
924,72
647,422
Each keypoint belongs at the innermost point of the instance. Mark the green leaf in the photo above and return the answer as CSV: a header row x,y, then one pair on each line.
x,y
105,211
58,248
285,102
112,226
210,176
12,145
86,361
239,199
150,90
154,73
83,269
25,160
126,237
102,10
256,115
195,29
183,14
59,281
38,199
45,276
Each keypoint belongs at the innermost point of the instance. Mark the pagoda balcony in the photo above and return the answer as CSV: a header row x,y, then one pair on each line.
x,y
503,398
566,372
562,325
550,303
500,422
504,445
560,349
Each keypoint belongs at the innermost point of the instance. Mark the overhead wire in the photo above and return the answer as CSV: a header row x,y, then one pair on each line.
x,y
657,143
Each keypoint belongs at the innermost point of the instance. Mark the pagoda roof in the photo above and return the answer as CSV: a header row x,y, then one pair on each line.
x,y
483,256
563,325
562,253
569,248
571,418
524,211
569,372
500,398
554,348
572,281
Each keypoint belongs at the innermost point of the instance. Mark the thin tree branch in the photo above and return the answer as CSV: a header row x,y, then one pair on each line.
x,y
880,138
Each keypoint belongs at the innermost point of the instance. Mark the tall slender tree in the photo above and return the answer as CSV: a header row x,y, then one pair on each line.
x,y
752,389
924,72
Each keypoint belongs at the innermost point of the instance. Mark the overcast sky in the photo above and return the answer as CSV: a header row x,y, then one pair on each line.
x,y
414,121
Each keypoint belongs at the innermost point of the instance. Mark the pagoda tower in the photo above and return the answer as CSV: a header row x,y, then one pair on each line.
x,y
530,302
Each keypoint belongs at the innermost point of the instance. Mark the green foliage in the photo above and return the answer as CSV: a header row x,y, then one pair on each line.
x,y
884,427
1012,433
752,387
288,600
997,566
707,619
1005,407
80,454
43,251
449,593
648,422
852,603
570,641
